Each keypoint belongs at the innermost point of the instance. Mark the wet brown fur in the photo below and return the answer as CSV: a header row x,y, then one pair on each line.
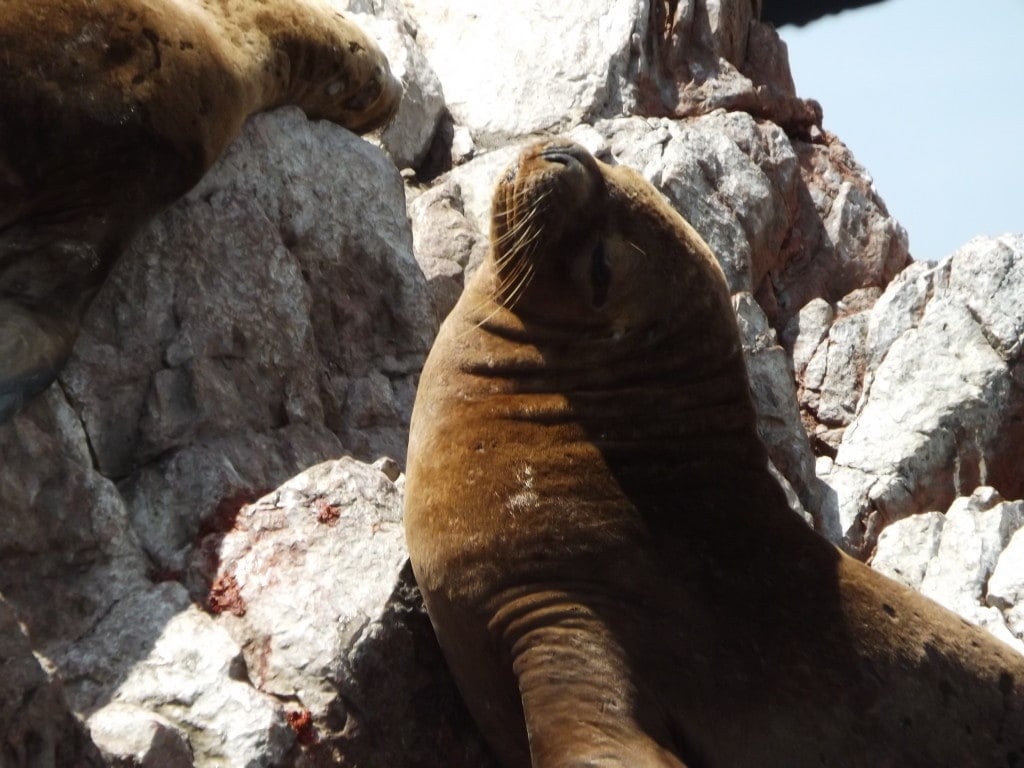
x,y
613,574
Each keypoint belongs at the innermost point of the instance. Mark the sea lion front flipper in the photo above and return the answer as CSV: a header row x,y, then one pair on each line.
x,y
580,702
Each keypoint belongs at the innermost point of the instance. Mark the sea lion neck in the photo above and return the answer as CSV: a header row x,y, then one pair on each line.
x,y
660,392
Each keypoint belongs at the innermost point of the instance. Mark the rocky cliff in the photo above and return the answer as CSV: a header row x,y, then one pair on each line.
x,y
201,556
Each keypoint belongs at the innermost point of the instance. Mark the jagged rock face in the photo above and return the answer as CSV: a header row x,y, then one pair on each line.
x,y
36,726
186,590
933,397
968,559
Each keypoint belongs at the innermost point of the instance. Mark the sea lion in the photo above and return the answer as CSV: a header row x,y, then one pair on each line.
x,y
109,111
612,572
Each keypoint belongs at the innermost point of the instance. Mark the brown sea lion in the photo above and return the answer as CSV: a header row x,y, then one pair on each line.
x,y
109,111
614,576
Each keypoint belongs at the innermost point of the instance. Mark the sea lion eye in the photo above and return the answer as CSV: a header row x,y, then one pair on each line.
x,y
600,274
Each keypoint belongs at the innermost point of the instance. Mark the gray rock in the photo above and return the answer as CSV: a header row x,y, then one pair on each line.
x,y
194,676
312,583
173,499
273,318
939,414
778,418
833,376
624,57
335,537
805,331
1006,584
842,237
446,243
906,547
37,727
953,558
976,531
131,737
69,553
730,177
272,294
408,136
541,74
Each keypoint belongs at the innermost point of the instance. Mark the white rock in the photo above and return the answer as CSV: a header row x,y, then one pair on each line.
x,y
976,531
313,584
193,677
512,70
1006,585
335,538
845,363
463,146
805,332
409,134
447,244
774,395
133,737
898,309
907,546
937,415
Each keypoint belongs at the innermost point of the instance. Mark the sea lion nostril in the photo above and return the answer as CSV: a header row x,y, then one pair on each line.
x,y
561,155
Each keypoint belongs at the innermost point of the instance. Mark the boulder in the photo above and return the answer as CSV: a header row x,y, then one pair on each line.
x,y
968,559
941,405
313,584
37,726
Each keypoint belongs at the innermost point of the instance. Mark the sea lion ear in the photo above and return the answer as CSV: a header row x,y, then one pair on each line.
x,y
600,274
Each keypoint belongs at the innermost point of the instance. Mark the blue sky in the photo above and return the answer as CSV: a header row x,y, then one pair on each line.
x,y
929,96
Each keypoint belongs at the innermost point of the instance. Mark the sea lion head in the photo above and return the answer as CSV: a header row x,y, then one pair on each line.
x,y
579,243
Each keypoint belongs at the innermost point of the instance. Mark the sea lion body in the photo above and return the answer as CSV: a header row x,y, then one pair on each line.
x,y
110,111
613,574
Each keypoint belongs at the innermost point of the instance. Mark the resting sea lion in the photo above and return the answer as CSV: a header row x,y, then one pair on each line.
x,y
111,110
614,576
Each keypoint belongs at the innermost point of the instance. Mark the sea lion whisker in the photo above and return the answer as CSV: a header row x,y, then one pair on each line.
x,y
518,249
524,283
514,230
528,237
521,266
510,278
481,323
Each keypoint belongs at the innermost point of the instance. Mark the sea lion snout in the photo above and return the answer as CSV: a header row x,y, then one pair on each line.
x,y
565,154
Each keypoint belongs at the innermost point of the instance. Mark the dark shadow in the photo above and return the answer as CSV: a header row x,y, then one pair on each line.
x,y
401,706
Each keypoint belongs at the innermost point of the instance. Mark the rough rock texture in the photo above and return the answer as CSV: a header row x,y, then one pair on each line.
x,y
37,727
312,581
936,379
132,737
603,60
954,559
277,317
272,319
775,400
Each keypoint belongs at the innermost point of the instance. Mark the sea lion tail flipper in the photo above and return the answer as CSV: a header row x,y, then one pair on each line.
x,y
32,352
